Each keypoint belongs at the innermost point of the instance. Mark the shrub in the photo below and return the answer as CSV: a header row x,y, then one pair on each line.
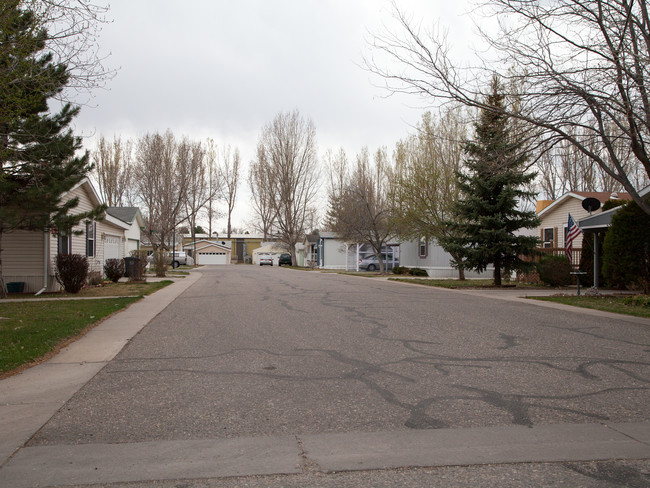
x,y
626,251
555,270
418,272
400,270
71,271
114,269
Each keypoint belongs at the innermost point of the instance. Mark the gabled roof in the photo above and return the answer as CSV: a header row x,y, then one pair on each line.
x,y
602,196
203,243
125,214
90,189
95,200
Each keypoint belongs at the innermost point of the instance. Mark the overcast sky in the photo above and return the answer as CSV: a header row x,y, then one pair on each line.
x,y
223,69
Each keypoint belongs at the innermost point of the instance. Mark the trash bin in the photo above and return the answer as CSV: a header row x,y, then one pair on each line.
x,y
15,286
132,268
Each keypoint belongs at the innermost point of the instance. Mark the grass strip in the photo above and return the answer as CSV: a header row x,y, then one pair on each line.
x,y
30,330
129,289
453,283
627,305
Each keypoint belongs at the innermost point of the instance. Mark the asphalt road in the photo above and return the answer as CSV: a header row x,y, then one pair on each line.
x,y
253,351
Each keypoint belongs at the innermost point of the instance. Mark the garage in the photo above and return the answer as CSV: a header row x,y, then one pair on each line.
x,y
112,247
212,257
209,252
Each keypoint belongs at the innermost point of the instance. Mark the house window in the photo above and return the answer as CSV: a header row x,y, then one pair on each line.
x,y
423,247
548,237
64,243
91,228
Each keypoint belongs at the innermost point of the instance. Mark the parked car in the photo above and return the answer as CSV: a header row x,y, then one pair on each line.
x,y
371,263
266,259
180,258
285,258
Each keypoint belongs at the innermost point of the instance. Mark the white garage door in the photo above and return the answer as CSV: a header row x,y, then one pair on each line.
x,y
112,247
218,257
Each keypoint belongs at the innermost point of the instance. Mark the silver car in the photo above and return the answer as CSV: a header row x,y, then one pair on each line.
x,y
266,259
371,263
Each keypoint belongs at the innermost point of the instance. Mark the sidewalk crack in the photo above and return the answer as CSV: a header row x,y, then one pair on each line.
x,y
626,435
307,465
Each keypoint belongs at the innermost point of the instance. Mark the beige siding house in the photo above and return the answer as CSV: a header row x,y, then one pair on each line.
x,y
28,257
554,215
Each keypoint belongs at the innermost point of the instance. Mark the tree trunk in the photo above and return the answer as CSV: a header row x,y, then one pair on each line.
x,y
459,263
461,273
497,272
3,285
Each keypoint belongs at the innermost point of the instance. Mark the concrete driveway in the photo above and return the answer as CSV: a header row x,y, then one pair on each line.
x,y
295,376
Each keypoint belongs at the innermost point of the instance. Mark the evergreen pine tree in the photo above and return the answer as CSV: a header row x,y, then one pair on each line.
x,y
493,184
37,148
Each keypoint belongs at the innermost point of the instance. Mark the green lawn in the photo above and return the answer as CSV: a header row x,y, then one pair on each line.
x,y
453,283
638,305
30,330
129,289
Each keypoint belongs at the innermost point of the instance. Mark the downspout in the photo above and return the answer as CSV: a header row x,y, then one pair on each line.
x,y
46,255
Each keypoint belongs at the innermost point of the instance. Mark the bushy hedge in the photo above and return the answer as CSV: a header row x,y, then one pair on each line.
x,y
554,270
626,251
418,272
71,271
403,270
114,269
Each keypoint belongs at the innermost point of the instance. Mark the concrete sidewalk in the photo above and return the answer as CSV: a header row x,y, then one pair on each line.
x,y
63,465
29,399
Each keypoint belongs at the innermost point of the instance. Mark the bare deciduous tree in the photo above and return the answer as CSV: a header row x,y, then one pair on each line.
x,y
213,183
581,67
359,209
287,148
113,163
229,178
262,202
161,172
73,29
425,182
197,187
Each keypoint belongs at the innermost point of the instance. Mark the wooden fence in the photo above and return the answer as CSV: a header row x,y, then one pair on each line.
x,y
576,253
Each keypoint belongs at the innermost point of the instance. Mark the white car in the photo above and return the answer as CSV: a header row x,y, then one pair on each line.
x,y
180,258
266,259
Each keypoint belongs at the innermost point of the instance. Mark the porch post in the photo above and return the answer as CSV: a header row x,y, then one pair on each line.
x,y
596,260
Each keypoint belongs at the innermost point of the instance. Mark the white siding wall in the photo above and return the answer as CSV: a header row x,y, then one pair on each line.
x,y
436,263
23,258
334,254
558,217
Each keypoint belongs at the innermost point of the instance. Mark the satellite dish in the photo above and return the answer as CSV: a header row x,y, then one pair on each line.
x,y
591,204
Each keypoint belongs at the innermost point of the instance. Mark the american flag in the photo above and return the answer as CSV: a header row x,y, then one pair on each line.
x,y
573,231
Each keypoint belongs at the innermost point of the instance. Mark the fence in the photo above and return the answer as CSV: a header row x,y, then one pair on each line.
x,y
576,253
